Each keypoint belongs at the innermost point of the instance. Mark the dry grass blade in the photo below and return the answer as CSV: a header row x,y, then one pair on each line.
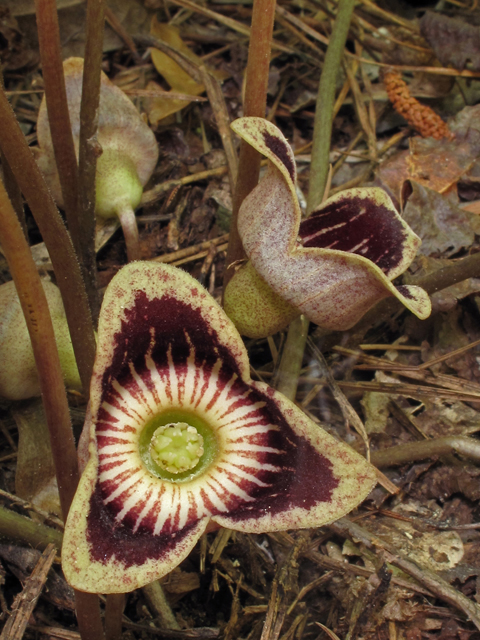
x,y
25,602
219,107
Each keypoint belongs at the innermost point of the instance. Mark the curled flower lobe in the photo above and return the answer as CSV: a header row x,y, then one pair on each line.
x,y
171,369
338,263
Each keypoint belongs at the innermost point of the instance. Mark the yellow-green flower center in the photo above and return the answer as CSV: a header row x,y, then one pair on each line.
x,y
176,447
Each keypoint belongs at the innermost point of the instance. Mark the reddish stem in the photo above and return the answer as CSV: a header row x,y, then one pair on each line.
x,y
57,108
55,236
39,323
255,105
89,147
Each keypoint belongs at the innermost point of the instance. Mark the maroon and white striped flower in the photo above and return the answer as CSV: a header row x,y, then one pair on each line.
x,y
180,435
333,267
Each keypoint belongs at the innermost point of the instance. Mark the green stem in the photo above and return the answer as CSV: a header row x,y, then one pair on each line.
x,y
20,528
160,606
255,105
89,147
406,453
322,132
55,236
287,377
57,108
292,356
130,231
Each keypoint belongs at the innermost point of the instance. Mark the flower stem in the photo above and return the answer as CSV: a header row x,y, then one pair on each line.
x,y
113,616
292,356
37,316
89,147
55,236
322,132
57,107
255,105
290,364
158,602
128,221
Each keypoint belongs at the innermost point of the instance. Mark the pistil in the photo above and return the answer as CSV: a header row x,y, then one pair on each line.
x,y
176,447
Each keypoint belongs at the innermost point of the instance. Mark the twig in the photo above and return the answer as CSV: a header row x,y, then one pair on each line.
x,y
413,451
20,528
156,192
425,577
25,602
190,251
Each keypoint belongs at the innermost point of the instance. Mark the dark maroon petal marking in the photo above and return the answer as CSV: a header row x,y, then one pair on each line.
x,y
405,291
281,150
357,225
108,538
171,320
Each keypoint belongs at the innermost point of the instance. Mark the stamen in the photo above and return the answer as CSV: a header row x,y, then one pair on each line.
x,y
176,447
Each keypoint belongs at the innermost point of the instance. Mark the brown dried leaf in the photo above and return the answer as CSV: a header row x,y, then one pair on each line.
x,y
443,227
455,41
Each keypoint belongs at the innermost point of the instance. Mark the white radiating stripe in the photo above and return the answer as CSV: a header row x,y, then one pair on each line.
x,y
246,432
129,504
236,458
228,486
213,497
240,414
115,448
166,510
150,405
234,470
211,388
125,484
151,502
245,447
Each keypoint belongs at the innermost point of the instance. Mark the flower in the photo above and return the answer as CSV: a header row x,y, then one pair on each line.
x,y
332,267
171,365
127,148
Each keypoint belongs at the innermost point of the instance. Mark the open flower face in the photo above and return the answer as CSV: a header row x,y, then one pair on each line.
x,y
180,435
332,267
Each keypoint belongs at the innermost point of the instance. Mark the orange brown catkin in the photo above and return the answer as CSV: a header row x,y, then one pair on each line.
x,y
419,116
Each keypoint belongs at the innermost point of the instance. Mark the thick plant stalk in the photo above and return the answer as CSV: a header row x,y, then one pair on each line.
x,y
255,105
319,167
56,97
55,236
113,616
322,131
89,148
39,323
127,219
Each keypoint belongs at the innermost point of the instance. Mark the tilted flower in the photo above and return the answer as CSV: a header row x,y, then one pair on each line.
x,y
171,391
333,267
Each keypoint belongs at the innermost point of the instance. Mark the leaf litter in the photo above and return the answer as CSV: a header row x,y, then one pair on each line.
x,y
406,565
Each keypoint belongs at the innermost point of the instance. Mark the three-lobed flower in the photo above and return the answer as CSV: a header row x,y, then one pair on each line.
x,y
333,266
179,435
